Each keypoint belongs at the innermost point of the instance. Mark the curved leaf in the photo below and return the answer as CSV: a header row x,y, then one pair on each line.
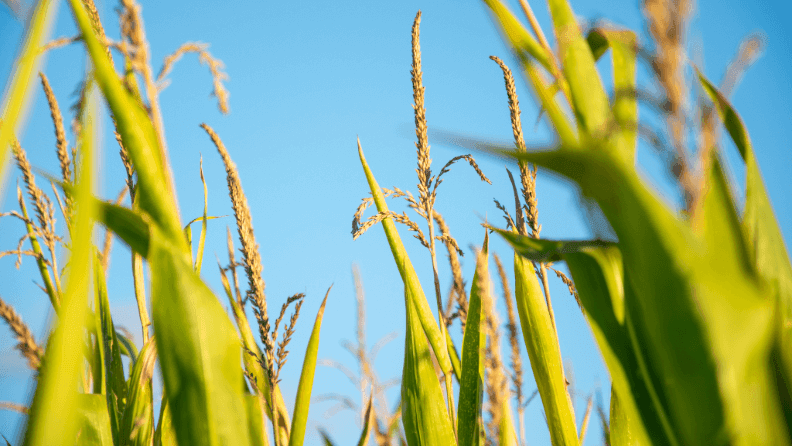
x,y
687,297
53,414
19,86
524,44
155,194
767,248
409,277
199,353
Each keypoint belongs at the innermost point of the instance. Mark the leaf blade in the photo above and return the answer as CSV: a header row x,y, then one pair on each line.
x,y
302,401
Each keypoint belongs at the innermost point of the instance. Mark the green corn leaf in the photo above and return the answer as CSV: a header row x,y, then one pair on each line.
x,y
19,87
137,424
623,45
202,239
114,385
599,279
544,353
621,432
506,431
137,132
474,343
408,275
542,250
255,412
750,386
596,268
546,95
53,416
590,102
766,244
692,363
93,421
302,401
424,413
366,423
135,229
523,43
687,298
98,351
200,360
127,347
165,435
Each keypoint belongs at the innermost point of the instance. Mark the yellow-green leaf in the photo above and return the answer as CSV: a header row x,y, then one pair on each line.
x,y
544,353
154,192
199,353
53,414
408,275
302,401
137,424
25,67
93,421
474,342
590,102
424,414
113,383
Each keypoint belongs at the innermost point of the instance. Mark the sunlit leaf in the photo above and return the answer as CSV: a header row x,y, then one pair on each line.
x,y
17,92
685,297
53,416
137,424
524,44
154,192
303,399
408,275
544,353
590,102
114,385
766,243
93,422
597,271
474,343
200,361
165,435
623,45
424,413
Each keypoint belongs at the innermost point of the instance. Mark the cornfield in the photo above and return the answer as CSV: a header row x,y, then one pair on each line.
x,y
690,305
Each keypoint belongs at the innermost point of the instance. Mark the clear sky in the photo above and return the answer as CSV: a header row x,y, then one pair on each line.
x,y
306,78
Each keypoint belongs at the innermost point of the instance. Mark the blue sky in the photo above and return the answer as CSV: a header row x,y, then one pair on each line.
x,y
306,78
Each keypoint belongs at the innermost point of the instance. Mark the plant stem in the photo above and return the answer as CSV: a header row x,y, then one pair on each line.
x,y
140,294
53,293
446,373
546,286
